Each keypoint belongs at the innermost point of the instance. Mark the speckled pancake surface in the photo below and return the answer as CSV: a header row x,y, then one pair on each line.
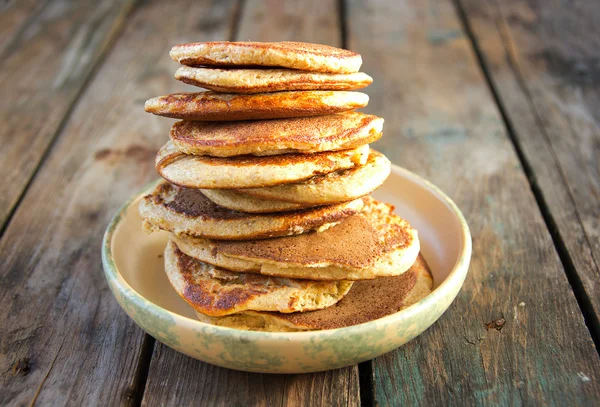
x,y
366,301
335,187
189,212
215,291
209,106
269,80
295,55
334,132
238,201
371,244
194,171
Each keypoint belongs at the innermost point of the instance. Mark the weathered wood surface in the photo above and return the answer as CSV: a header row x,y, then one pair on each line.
x,y
544,62
48,51
515,334
14,16
175,379
442,122
56,309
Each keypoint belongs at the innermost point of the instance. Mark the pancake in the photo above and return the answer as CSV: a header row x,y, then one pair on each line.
x,y
238,201
193,171
269,80
213,106
188,211
334,187
295,55
334,132
366,301
371,244
217,292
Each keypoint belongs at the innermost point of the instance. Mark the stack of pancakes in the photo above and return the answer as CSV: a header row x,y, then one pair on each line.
x,y
266,192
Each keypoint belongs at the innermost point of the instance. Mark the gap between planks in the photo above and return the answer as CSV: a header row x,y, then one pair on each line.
x,y
575,282
135,393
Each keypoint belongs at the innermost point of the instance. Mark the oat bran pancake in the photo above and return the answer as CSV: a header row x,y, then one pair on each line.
x,y
238,201
334,132
188,211
371,244
214,106
366,301
214,291
269,80
335,187
286,54
251,171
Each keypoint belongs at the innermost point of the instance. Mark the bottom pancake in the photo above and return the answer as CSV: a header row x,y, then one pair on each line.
x,y
217,292
366,301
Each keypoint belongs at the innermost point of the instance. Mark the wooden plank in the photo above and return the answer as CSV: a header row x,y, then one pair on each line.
x,y
200,383
56,310
543,62
515,334
14,17
176,379
44,65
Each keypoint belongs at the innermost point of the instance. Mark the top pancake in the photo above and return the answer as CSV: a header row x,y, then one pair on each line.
x,y
286,54
215,106
366,301
269,80
334,132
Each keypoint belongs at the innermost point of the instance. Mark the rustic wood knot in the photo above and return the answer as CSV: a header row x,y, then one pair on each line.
x,y
496,324
135,152
22,367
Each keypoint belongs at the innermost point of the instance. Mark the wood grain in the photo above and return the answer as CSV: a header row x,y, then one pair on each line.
x,y
515,334
14,17
47,57
57,315
176,379
544,64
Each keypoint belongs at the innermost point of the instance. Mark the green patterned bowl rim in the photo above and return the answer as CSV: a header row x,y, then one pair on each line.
x,y
454,278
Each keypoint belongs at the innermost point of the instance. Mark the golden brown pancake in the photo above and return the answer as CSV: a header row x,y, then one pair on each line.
x,y
195,171
215,291
295,55
189,212
238,201
366,301
334,132
214,106
371,244
269,80
335,187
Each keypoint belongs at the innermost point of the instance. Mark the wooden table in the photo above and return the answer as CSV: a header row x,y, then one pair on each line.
x,y
495,101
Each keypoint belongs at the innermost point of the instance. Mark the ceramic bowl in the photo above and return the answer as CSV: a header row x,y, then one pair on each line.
x,y
133,265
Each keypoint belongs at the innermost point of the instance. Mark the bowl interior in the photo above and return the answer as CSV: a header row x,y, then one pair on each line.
x,y
138,256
